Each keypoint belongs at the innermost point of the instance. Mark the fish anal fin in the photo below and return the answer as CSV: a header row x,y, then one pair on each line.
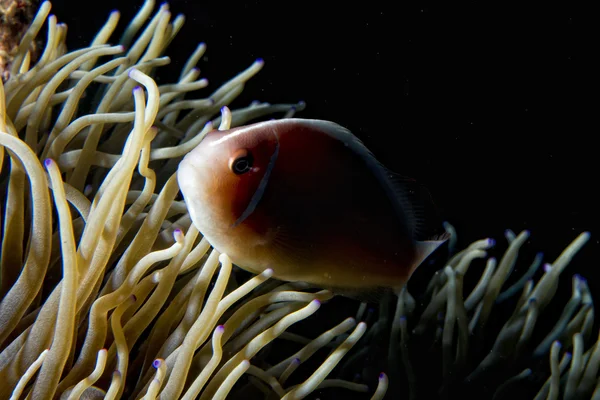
x,y
367,295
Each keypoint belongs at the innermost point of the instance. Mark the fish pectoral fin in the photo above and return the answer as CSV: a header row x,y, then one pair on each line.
x,y
292,247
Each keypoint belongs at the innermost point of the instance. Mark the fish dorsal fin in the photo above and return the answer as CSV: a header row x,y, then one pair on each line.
x,y
411,200
406,192
417,200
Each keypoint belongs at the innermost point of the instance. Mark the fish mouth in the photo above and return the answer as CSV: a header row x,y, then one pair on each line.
x,y
182,180
188,180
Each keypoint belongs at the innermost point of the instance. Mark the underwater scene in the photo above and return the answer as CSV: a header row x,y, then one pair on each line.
x,y
309,200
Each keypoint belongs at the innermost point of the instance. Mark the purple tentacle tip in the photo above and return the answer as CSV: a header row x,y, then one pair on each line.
x,y
268,272
547,267
381,375
317,302
220,328
177,231
223,108
296,360
48,162
491,242
260,60
156,363
137,89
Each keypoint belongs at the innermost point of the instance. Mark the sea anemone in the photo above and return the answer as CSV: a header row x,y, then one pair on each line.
x,y
109,291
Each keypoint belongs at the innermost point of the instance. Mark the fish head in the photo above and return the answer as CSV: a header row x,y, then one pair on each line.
x,y
221,178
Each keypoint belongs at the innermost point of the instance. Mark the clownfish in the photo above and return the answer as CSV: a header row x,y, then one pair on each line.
x,y
307,199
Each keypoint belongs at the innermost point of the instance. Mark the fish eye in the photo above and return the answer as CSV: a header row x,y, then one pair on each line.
x,y
241,162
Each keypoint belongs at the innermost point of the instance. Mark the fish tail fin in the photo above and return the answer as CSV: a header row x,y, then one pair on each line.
x,y
426,247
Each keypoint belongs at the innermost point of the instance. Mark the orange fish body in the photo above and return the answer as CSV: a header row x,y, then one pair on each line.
x,y
305,198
